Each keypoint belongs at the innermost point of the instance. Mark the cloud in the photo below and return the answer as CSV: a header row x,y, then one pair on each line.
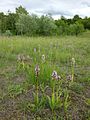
x,y
8,5
86,4
54,12
56,7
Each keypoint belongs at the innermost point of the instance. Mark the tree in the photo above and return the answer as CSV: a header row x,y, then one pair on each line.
x,y
2,22
26,25
62,27
47,26
76,18
76,28
10,22
21,10
86,23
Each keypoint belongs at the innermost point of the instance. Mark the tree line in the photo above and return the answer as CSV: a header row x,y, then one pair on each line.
x,y
22,23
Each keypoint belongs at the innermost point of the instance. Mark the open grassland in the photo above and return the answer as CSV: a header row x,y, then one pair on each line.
x,y
28,95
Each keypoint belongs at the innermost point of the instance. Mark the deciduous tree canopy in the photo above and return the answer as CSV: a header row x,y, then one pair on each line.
x,y
22,23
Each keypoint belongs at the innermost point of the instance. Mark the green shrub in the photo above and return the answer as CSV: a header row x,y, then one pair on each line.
x,y
8,33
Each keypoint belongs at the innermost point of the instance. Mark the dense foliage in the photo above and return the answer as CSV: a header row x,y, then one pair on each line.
x,y
21,23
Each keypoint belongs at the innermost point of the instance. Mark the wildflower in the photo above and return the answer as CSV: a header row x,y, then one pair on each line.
x,y
18,58
69,77
37,70
34,49
54,74
43,58
58,77
21,57
73,61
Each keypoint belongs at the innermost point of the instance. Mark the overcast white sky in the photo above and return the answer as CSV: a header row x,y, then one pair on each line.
x,y
67,8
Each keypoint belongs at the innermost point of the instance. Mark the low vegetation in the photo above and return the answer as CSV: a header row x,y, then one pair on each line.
x,y
45,78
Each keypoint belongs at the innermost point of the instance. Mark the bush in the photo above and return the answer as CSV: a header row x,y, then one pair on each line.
x,y
8,33
26,25
75,29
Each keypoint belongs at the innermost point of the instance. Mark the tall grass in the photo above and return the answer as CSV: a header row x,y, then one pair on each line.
x,y
49,54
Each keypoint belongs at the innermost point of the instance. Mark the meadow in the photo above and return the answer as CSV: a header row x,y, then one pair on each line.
x,y
45,78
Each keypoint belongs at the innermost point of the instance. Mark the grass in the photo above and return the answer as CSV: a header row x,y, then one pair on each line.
x,y
22,97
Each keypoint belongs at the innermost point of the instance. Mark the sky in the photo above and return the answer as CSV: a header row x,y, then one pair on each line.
x,y
57,8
